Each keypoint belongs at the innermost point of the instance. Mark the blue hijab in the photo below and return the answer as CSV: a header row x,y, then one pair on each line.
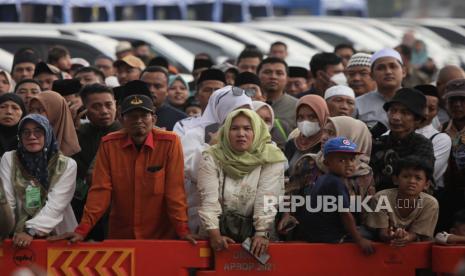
x,y
36,164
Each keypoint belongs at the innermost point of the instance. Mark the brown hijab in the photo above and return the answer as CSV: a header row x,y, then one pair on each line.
x,y
60,118
318,105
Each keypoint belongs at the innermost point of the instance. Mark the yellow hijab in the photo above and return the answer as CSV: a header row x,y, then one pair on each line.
x,y
237,165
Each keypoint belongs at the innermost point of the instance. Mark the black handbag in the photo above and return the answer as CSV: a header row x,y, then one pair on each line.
x,y
233,224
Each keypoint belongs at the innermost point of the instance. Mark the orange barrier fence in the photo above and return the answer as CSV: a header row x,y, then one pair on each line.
x,y
137,257
323,259
121,257
446,258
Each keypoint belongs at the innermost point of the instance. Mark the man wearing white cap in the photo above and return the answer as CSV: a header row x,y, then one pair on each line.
x,y
388,71
358,74
340,100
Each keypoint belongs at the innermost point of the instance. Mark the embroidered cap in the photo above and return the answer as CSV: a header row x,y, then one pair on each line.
x,y
137,102
359,59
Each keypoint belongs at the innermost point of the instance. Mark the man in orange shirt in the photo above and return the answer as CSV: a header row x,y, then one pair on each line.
x,y
139,171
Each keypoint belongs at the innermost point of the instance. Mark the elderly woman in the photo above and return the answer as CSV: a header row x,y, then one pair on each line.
x,y
39,183
53,106
12,109
6,82
311,115
178,92
234,177
310,166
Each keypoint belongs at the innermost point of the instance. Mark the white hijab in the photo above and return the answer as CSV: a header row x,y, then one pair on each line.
x,y
257,105
221,103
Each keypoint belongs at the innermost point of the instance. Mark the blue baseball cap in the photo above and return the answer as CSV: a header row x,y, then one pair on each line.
x,y
340,144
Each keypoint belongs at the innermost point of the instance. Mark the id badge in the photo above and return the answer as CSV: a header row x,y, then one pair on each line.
x,y
32,197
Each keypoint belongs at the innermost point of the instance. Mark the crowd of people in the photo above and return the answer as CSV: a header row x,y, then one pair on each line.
x,y
128,149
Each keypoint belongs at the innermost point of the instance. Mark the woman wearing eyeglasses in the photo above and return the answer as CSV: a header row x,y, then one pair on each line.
x,y
53,106
39,183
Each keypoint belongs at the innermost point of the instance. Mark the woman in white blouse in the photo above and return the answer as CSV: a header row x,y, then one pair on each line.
x,y
39,183
234,178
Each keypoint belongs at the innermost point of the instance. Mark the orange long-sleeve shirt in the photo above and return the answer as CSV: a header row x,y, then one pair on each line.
x,y
145,188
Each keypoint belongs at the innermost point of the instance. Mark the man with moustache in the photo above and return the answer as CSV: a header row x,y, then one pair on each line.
x,y
139,171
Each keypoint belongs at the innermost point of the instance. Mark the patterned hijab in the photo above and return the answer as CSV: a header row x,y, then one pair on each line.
x,y
237,165
36,164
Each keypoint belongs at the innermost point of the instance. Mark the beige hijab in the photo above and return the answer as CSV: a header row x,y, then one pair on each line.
x,y
9,79
357,132
60,118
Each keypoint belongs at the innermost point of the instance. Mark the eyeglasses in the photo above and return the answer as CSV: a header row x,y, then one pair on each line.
x,y
37,132
236,91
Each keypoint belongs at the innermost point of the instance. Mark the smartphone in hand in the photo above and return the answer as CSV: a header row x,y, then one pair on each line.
x,y
263,259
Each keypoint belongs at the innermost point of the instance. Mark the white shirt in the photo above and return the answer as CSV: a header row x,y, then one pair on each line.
x,y
57,214
441,146
246,196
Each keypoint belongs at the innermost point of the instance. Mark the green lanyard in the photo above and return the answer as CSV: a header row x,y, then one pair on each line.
x,y
277,123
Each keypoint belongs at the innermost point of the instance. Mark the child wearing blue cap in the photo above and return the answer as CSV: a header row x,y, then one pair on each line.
x,y
323,223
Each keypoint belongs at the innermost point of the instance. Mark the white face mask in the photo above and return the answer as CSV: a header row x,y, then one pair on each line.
x,y
308,128
339,78
269,127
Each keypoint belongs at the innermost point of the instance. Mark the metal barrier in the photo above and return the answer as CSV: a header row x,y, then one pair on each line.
x,y
112,257
323,259
144,257
447,258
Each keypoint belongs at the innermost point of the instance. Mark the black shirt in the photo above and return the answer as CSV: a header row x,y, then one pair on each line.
x,y
322,225
388,149
167,116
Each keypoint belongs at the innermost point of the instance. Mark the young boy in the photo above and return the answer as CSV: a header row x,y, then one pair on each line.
x,y
333,226
457,232
192,107
414,214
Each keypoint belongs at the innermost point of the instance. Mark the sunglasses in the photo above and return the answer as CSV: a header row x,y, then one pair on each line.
x,y
236,91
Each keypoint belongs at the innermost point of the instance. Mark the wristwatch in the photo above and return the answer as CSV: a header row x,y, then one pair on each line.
x,y
264,234
31,232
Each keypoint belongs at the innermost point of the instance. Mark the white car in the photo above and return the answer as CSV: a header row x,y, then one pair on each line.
x,y
334,33
298,53
6,60
87,46
176,55
296,34
194,40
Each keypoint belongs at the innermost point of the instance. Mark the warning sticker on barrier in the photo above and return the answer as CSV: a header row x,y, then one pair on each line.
x,y
91,261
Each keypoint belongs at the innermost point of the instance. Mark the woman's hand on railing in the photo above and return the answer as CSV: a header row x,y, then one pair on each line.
x,y
217,241
72,237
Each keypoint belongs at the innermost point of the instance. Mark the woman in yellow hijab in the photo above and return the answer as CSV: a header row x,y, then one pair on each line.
x,y
235,177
